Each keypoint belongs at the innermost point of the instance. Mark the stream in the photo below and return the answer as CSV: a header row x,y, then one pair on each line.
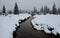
x,y
26,30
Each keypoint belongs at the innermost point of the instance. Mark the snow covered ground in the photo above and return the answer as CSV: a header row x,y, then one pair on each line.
x,y
43,22
7,24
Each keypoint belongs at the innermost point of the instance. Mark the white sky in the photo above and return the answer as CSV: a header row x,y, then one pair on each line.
x,y
28,4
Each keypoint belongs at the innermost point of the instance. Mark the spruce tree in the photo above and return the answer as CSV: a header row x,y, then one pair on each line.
x,y
4,9
54,11
45,10
41,9
48,10
16,9
10,12
35,10
58,10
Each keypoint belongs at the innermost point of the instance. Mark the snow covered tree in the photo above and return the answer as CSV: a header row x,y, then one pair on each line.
x,y
41,11
16,9
54,10
4,9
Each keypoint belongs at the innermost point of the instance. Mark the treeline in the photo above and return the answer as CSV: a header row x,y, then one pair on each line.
x,y
44,10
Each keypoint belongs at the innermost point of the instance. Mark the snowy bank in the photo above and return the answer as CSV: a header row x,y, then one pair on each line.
x,y
48,23
7,24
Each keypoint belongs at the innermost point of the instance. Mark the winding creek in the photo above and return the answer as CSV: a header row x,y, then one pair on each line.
x,y
25,30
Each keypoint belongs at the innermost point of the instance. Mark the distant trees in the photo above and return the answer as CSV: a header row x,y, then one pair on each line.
x,y
16,9
44,10
4,9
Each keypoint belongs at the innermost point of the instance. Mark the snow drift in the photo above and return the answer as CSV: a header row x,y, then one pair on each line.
x,y
46,22
7,24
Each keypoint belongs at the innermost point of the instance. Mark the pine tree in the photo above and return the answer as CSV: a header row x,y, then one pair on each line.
x,y
54,11
4,9
16,9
